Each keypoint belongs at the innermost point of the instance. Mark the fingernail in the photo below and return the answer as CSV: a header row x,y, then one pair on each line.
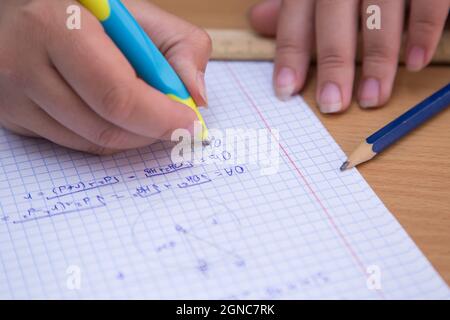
x,y
202,87
330,99
415,59
369,95
285,83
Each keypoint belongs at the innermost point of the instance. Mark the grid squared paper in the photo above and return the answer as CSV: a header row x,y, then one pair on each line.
x,y
133,226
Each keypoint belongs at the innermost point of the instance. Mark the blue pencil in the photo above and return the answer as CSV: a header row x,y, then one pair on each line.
x,y
398,128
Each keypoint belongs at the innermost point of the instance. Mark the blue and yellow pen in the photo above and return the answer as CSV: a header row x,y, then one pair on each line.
x,y
148,62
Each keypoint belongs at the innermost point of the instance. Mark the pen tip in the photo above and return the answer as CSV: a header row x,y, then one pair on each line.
x,y
344,166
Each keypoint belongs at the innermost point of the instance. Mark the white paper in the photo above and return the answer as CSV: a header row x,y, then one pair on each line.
x,y
131,225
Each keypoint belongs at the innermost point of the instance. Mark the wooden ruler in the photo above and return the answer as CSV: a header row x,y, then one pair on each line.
x,y
240,44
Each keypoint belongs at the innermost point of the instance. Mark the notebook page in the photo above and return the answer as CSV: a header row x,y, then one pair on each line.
x,y
137,225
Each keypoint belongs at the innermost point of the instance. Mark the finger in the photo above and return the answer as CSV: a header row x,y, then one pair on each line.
x,y
98,72
294,44
336,33
17,129
263,17
41,124
380,52
54,96
186,47
426,23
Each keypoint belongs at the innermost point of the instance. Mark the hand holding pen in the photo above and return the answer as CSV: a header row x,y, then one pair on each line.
x,y
77,89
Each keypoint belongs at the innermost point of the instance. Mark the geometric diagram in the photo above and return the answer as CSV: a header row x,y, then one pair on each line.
x,y
191,232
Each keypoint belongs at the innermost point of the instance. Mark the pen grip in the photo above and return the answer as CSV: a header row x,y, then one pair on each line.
x,y
146,59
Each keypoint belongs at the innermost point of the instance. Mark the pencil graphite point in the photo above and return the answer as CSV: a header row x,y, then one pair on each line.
x,y
344,166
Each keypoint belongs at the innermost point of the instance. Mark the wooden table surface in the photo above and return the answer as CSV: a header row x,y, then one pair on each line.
x,y
412,178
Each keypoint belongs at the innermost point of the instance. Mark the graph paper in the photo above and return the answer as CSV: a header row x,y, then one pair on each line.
x,y
137,225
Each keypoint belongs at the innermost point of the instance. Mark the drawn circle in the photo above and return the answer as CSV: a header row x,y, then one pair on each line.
x,y
188,232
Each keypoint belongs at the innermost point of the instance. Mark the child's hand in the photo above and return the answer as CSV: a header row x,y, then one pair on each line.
x,y
331,26
74,87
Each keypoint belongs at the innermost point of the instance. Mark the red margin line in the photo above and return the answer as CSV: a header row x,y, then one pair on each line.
x,y
314,194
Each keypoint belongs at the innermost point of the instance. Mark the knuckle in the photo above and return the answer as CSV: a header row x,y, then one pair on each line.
x,y
427,24
289,46
380,54
117,103
332,60
323,4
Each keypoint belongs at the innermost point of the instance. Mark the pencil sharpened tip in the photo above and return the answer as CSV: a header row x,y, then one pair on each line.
x,y
344,166
206,143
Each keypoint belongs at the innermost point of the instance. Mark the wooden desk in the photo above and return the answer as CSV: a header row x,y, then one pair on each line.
x,y
412,178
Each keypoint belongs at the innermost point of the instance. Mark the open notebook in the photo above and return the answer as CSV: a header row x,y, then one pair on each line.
x,y
136,225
